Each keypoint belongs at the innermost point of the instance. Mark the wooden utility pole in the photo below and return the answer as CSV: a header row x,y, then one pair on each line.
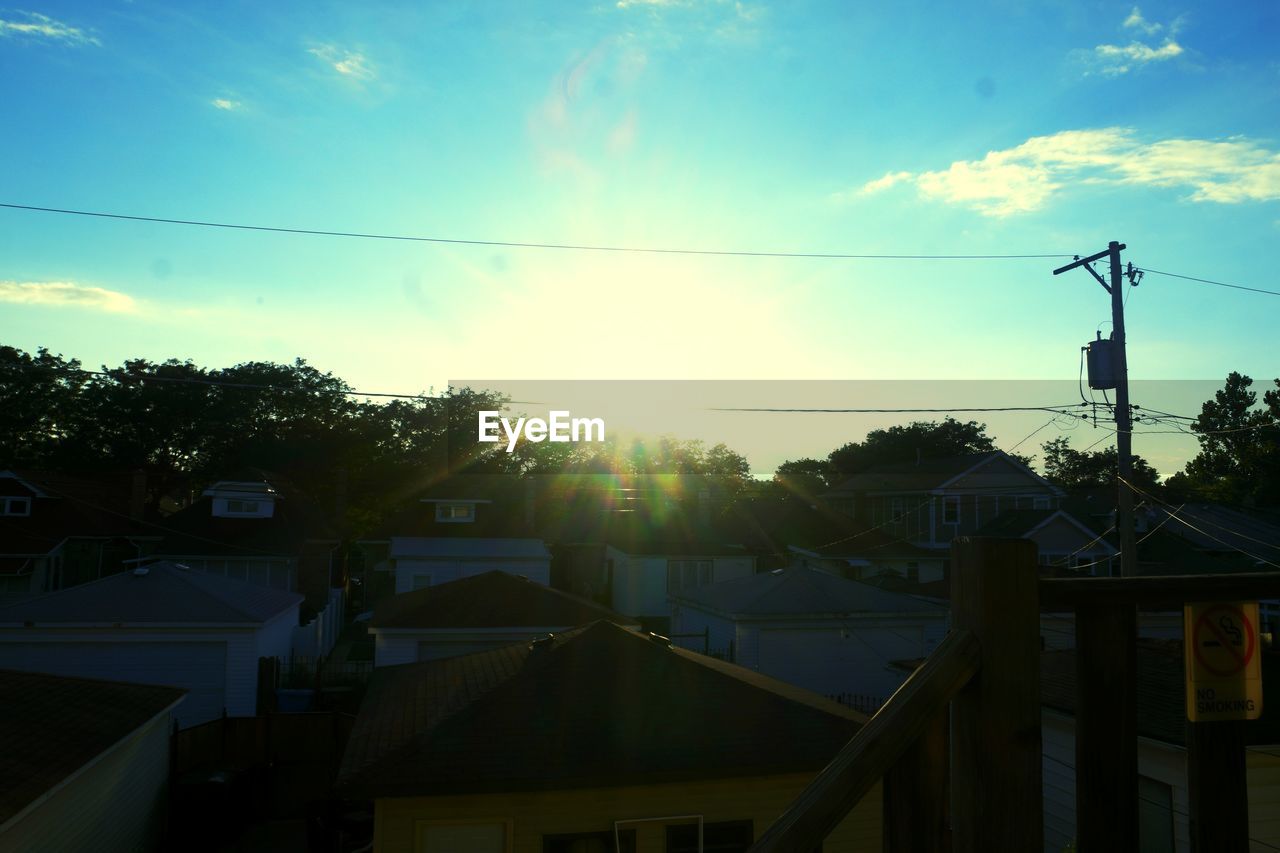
x,y
1123,416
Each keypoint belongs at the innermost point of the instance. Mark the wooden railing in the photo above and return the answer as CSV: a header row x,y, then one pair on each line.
x,y
958,746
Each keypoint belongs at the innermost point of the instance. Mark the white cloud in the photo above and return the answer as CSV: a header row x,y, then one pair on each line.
x,y
40,26
67,294
1120,59
1116,59
1135,21
1024,178
347,63
225,104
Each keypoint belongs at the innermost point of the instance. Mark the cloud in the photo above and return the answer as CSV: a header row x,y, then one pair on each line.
x,y
1120,59
347,63
225,104
1135,21
1024,178
39,26
67,294
1113,60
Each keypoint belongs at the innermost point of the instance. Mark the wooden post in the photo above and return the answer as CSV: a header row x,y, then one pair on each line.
x,y
1218,787
916,793
997,795
1106,728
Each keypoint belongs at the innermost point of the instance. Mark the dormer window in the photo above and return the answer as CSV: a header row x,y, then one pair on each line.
x,y
455,513
15,506
242,507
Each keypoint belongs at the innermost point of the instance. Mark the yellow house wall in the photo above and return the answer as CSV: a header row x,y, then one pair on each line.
x,y
530,816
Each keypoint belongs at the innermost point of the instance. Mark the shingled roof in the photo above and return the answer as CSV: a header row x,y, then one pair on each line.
x,y
161,594
801,591
594,707
489,600
52,726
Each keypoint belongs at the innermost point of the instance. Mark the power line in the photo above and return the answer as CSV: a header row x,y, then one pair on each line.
x,y
1209,281
1178,518
1056,408
515,244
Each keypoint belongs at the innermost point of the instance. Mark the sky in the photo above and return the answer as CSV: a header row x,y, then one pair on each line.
x,y
994,128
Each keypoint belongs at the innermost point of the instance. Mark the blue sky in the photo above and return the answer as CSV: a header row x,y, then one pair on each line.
x,y
926,128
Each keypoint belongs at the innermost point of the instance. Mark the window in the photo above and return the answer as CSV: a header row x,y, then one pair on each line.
x,y
1039,503
590,842
951,509
688,574
15,506
727,837
455,513
897,509
242,506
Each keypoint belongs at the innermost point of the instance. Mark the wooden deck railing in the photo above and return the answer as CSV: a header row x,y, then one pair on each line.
x,y
982,789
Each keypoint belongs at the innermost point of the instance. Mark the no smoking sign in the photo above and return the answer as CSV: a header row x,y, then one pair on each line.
x,y
1224,676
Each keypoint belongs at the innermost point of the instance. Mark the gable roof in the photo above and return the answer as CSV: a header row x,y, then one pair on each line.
x,y
491,600
51,727
930,474
160,594
65,506
594,707
801,591
1022,523
295,520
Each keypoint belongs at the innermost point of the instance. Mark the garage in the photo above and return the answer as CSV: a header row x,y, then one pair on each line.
x,y
836,659
198,668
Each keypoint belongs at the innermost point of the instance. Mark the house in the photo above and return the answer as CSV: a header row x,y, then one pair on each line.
x,y
597,739
813,629
463,527
911,512
85,764
473,614
258,530
158,624
59,530
1162,755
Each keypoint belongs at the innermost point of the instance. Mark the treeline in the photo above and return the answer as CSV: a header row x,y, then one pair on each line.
x,y
186,425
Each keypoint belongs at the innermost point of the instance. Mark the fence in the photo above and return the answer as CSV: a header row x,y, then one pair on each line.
x,y
292,758
858,701
958,746
317,637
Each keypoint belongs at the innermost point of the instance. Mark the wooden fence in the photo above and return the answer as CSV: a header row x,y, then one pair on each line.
x,y
958,746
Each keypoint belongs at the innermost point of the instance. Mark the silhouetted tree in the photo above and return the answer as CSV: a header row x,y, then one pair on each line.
x,y
1081,469
927,439
1239,458
38,397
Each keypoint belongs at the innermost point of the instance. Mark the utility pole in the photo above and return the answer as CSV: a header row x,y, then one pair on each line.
x,y
1123,416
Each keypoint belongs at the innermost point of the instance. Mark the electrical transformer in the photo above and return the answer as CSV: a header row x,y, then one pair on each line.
x,y
1100,358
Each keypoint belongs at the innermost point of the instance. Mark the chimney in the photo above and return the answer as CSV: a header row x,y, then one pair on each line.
x,y
138,495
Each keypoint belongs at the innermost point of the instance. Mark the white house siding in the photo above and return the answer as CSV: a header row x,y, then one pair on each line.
x,y
640,582
219,668
723,638
275,638
443,569
114,805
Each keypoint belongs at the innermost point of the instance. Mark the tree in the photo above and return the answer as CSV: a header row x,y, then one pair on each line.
x,y
38,398
1082,469
918,439
804,477
1239,458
